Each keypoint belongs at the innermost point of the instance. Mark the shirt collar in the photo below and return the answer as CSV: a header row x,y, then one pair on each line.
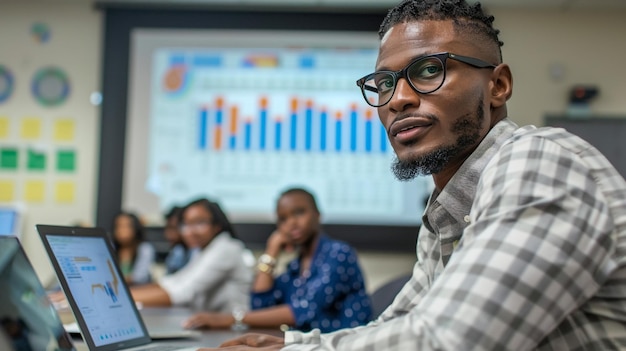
x,y
294,266
457,196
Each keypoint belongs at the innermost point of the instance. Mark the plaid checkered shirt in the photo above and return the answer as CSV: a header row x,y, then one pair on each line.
x,y
524,249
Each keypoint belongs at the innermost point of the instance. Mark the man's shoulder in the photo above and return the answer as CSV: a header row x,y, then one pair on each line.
x,y
534,137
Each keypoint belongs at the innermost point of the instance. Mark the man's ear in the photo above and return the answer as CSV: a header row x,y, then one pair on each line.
x,y
501,85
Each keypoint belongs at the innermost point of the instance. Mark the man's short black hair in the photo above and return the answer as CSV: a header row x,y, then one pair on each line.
x,y
304,192
468,19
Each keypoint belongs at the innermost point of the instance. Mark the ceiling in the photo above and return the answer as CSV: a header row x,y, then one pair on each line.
x,y
384,4
352,4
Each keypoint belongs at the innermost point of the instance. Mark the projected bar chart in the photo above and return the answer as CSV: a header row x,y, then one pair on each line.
x,y
256,121
306,128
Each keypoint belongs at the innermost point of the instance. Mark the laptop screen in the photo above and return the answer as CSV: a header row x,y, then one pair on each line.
x,y
96,292
9,220
29,321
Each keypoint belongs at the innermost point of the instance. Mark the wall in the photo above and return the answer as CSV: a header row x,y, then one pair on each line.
x,y
74,46
587,46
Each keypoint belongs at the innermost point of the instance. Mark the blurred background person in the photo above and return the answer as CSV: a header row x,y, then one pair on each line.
x,y
177,255
219,273
322,288
135,256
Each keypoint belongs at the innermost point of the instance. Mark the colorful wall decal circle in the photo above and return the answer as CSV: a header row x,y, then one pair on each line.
x,y
40,32
6,84
50,86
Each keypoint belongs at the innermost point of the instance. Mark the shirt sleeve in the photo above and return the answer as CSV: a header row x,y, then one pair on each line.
x,y
143,263
537,248
272,297
212,267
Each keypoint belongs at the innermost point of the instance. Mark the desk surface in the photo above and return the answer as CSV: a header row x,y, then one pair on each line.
x,y
170,319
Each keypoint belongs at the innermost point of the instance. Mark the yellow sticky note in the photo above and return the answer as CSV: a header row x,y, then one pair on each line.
x,y
64,192
7,190
4,127
64,130
31,128
34,191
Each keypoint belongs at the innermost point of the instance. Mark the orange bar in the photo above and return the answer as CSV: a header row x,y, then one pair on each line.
x,y
218,138
233,120
309,104
338,115
263,103
294,105
368,114
219,102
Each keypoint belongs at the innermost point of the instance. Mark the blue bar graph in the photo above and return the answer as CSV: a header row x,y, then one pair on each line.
x,y
368,135
262,129
219,116
202,129
294,128
248,135
323,120
277,134
308,125
353,122
263,103
383,138
233,142
338,134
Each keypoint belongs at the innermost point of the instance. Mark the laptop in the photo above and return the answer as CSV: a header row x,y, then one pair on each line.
x,y
98,296
9,221
28,319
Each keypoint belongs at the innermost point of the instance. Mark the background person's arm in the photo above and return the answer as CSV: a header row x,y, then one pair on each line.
x,y
271,317
150,295
200,275
276,243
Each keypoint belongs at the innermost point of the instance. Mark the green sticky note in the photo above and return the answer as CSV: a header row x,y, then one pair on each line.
x,y
66,161
36,161
8,158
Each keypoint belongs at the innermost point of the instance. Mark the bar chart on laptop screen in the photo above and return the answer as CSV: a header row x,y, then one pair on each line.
x,y
250,122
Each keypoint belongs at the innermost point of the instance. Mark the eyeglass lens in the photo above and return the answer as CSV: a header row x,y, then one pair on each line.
x,y
425,75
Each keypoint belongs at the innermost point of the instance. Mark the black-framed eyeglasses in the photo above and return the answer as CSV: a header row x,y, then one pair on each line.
x,y
425,75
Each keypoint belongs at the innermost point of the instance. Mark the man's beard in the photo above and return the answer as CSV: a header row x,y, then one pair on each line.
x,y
466,128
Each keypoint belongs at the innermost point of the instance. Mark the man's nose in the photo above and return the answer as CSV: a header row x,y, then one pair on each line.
x,y
404,96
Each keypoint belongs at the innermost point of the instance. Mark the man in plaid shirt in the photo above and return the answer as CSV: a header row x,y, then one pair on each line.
x,y
523,242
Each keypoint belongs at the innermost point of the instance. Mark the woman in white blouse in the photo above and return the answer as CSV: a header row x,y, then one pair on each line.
x,y
219,274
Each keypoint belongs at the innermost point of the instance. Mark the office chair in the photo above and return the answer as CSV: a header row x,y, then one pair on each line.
x,y
384,295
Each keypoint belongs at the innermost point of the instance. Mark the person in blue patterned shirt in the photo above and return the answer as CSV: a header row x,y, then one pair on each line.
x,y
322,288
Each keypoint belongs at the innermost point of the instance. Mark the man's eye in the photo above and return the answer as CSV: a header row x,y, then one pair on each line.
x,y
426,70
384,84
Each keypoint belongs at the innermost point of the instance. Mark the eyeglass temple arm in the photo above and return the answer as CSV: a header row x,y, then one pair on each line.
x,y
372,89
472,61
